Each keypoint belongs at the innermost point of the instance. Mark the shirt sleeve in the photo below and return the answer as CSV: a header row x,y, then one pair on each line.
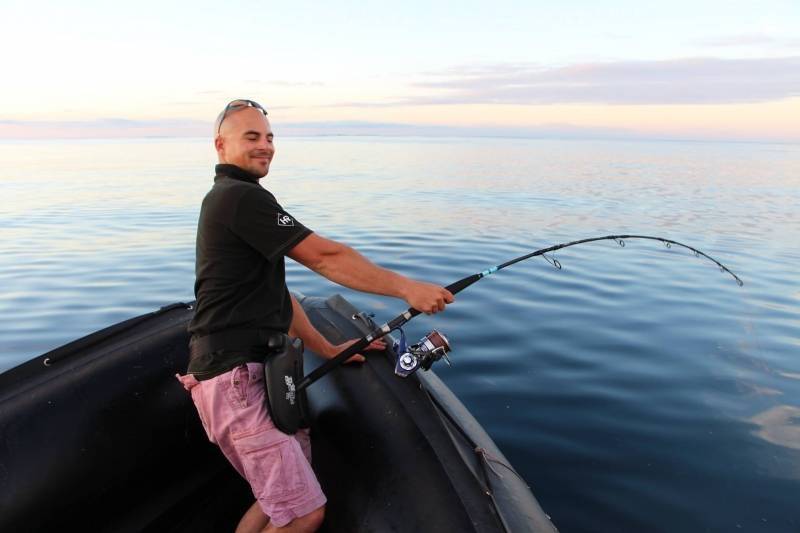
x,y
263,224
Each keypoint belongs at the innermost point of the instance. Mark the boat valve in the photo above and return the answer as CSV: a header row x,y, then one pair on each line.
x,y
428,350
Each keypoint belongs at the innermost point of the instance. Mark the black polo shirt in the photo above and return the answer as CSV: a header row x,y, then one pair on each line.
x,y
242,237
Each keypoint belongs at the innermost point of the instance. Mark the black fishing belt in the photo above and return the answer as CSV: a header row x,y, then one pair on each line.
x,y
254,340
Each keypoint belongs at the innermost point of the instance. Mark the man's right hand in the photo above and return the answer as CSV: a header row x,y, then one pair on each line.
x,y
426,297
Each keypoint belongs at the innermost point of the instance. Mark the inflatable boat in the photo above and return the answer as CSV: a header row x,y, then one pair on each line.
x,y
98,435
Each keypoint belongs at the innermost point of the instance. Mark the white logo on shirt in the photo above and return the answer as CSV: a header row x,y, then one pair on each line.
x,y
285,220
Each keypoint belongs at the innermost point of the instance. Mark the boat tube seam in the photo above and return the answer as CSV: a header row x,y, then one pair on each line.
x,y
104,334
38,376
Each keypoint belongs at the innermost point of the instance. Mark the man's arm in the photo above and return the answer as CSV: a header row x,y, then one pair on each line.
x,y
302,328
345,266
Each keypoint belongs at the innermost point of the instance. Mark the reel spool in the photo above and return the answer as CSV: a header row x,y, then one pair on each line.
x,y
427,351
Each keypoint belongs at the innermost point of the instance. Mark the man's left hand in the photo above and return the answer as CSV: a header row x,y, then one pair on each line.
x,y
336,349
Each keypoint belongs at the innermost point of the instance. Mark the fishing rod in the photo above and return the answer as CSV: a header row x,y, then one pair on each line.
x,y
285,391
465,282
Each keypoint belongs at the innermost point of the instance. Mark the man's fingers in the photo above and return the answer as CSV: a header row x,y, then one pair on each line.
x,y
445,297
440,303
357,358
377,344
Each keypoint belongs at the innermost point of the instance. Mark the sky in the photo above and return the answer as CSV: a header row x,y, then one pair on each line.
x,y
701,69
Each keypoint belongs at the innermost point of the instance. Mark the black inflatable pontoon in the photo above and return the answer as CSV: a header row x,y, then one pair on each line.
x,y
98,435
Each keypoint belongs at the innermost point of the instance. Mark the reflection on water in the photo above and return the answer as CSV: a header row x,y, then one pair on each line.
x,y
780,425
636,389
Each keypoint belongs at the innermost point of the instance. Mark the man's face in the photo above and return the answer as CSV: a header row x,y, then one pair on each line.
x,y
245,140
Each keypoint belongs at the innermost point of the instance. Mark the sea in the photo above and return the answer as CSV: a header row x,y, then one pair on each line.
x,y
635,389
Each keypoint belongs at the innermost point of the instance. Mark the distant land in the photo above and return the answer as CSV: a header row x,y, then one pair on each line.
x,y
121,128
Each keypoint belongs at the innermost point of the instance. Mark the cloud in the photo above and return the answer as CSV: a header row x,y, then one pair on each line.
x,y
761,40
745,39
286,83
666,82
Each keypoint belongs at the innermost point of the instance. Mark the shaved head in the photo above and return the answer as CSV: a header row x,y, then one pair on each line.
x,y
244,139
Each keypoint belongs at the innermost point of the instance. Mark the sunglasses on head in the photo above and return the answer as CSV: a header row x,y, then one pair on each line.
x,y
236,105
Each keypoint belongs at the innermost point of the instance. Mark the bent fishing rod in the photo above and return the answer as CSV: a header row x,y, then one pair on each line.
x,y
454,288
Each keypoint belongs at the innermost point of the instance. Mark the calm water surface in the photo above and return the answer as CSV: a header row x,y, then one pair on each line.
x,y
636,389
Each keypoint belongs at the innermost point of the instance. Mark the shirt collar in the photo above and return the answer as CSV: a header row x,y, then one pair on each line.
x,y
232,171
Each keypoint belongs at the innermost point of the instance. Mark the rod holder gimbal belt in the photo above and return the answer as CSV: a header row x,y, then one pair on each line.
x,y
283,370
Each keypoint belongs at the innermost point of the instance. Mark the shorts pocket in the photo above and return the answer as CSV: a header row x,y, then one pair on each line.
x,y
236,386
197,397
274,469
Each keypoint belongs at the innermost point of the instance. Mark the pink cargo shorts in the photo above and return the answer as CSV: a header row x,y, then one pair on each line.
x,y
277,466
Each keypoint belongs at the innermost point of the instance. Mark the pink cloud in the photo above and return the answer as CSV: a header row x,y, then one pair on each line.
x,y
665,82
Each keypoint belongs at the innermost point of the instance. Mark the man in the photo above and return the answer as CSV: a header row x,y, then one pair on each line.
x,y
242,237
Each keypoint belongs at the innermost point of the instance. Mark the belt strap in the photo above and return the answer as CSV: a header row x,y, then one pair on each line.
x,y
231,339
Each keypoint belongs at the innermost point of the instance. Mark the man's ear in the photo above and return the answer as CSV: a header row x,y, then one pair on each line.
x,y
218,144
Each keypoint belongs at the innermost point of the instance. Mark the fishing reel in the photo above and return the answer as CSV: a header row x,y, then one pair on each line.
x,y
427,351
